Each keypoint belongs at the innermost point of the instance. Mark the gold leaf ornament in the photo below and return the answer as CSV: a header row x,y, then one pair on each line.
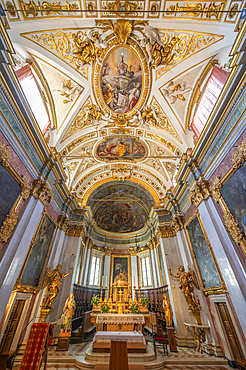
x,y
122,30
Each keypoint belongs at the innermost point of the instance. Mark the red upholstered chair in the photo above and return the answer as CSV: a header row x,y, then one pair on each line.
x,y
160,339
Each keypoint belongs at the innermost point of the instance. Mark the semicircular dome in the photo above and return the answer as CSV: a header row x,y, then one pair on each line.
x,y
121,207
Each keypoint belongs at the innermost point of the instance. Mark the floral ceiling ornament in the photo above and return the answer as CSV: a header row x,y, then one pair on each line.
x,y
122,8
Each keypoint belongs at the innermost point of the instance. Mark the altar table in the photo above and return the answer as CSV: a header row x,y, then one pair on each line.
x,y
119,322
119,336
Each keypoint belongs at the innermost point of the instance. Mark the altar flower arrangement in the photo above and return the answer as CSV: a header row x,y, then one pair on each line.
x,y
95,299
134,308
105,308
145,301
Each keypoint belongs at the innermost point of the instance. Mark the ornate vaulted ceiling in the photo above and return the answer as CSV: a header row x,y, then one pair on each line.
x,y
121,89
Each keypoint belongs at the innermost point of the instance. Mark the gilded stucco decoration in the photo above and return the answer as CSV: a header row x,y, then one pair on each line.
x,y
162,120
225,190
194,10
42,191
85,117
200,192
121,173
38,10
170,167
120,8
10,221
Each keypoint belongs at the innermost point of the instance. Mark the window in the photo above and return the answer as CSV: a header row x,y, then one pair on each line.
x,y
146,273
94,274
34,98
210,95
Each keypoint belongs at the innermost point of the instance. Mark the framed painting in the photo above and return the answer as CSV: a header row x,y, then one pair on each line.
x,y
14,189
32,270
206,264
120,265
229,192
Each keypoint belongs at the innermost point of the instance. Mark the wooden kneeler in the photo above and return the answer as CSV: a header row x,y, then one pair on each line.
x,y
118,356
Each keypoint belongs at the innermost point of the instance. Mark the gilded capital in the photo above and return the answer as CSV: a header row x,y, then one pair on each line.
x,y
26,187
200,192
239,156
42,191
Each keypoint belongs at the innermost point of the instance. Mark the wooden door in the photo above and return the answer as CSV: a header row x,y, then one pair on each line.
x,y
230,330
12,325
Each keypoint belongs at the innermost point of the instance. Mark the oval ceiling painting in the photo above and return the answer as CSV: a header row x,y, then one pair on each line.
x,y
121,148
121,80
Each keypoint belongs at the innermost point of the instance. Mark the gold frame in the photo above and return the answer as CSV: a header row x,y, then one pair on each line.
x,y
221,289
146,74
29,288
238,159
113,256
11,219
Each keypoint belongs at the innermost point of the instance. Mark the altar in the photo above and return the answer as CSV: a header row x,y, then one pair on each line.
x,y
118,322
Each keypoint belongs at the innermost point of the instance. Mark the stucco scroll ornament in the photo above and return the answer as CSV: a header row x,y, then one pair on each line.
x,y
239,156
41,191
187,282
5,156
159,53
91,48
137,121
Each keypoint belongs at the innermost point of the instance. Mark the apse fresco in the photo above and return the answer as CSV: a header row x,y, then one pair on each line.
x,y
234,194
203,255
121,147
121,207
121,80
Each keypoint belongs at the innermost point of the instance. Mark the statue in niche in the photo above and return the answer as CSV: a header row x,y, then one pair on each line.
x,y
168,310
187,280
53,280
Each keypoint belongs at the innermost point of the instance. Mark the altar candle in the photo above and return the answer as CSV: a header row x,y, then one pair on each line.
x,y
106,280
134,280
102,279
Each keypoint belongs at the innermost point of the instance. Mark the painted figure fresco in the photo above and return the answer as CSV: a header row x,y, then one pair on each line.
x,y
121,80
10,190
36,259
120,216
121,147
234,194
206,265
120,267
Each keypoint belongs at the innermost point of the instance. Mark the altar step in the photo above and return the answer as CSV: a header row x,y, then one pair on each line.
x,y
130,367
104,347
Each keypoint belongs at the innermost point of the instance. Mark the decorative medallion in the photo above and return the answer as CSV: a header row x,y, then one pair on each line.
x,y
118,148
121,79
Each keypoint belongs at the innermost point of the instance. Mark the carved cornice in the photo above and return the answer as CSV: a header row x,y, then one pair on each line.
x,y
42,191
172,228
200,192
133,251
106,250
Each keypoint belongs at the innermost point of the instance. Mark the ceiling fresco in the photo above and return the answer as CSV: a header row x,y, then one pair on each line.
x,y
122,86
121,207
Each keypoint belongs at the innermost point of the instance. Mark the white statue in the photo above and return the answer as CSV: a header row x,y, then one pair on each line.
x,y
98,41
155,164
138,120
103,121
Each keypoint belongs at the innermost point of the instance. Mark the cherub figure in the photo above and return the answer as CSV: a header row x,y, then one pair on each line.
x,y
187,280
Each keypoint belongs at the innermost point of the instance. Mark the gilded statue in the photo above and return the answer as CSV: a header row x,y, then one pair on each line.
x,y
168,310
187,280
53,280
150,115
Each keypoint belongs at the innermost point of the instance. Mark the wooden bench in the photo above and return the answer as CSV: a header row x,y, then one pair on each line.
x,y
104,347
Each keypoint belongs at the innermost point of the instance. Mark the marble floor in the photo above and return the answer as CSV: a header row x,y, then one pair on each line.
x,y
78,350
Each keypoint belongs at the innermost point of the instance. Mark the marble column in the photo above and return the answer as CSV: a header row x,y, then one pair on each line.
x,y
106,271
158,272
153,268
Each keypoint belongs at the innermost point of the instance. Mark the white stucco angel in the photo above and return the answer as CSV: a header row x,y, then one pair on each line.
x,y
85,163
155,164
95,35
103,121
174,92
138,120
